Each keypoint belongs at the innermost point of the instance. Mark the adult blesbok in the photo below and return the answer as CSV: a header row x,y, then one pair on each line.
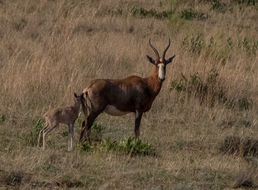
x,y
121,96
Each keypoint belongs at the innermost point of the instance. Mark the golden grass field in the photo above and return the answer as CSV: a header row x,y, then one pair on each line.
x,y
52,48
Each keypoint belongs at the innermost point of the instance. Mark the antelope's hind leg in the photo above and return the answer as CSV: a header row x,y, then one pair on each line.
x,y
138,117
45,132
90,119
40,133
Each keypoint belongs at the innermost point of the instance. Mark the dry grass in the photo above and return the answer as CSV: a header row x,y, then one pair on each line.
x,y
49,49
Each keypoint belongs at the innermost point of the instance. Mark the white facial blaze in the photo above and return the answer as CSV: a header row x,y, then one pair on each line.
x,y
161,71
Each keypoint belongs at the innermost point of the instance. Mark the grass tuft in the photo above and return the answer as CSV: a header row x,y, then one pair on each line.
x,y
244,147
135,11
30,138
130,146
246,179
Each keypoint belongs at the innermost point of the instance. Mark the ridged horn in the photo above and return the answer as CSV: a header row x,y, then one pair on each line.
x,y
154,49
165,51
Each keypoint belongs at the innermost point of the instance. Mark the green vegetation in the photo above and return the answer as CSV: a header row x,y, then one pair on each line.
x,y
2,118
30,138
190,14
130,146
135,11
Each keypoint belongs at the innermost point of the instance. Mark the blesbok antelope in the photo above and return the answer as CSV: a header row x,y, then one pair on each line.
x,y
54,117
121,96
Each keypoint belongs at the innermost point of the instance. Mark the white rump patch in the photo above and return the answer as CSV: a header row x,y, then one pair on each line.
x,y
112,110
161,71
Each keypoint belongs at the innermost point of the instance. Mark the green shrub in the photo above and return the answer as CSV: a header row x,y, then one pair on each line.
x,y
96,135
108,145
30,138
194,43
65,133
116,12
85,146
249,47
96,131
150,13
190,14
209,90
129,146
229,42
219,6
247,2
2,118
136,147
69,181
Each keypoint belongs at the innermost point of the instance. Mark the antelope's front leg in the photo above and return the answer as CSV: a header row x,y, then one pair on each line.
x,y
138,117
70,136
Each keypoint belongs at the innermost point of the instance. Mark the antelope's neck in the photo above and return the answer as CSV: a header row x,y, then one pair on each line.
x,y
154,82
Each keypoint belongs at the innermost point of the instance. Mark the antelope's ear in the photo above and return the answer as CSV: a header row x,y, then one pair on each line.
x,y
171,59
150,60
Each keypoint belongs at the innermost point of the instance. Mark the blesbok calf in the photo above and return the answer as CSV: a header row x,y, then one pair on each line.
x,y
121,96
54,117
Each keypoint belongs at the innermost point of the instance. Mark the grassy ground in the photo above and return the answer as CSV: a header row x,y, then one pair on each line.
x,y
49,49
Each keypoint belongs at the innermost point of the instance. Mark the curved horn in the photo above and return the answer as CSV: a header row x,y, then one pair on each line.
x,y
154,49
165,51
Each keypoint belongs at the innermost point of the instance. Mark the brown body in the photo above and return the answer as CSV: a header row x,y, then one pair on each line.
x,y
122,96
127,95
54,117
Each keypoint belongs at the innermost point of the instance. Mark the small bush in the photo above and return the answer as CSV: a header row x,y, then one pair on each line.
x,y
31,137
219,6
117,12
2,118
194,43
65,133
249,47
245,179
247,2
238,146
208,90
69,182
13,178
96,131
150,13
85,146
190,14
129,146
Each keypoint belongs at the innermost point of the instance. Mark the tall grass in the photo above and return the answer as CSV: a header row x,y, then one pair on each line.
x,y
50,49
